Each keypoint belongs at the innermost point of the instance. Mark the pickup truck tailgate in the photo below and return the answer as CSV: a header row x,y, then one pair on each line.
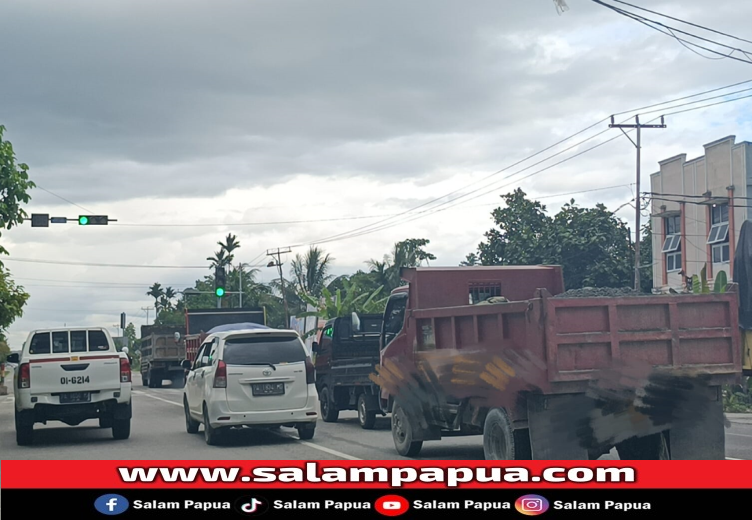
x,y
52,374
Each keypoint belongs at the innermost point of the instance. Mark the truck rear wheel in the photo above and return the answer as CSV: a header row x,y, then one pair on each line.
x,y
650,447
179,382
366,417
498,436
121,421
403,432
24,428
329,411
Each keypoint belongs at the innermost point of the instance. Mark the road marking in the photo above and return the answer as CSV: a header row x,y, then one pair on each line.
x,y
739,435
304,443
729,458
158,398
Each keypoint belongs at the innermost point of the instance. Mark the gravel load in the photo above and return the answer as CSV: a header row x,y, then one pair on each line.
x,y
600,292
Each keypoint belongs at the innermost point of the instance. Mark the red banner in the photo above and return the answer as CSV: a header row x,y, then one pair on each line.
x,y
100,474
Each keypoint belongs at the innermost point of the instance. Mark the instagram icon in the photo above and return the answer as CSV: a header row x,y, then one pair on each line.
x,y
531,505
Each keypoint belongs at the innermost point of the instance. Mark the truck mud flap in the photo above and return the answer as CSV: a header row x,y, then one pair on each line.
x,y
555,426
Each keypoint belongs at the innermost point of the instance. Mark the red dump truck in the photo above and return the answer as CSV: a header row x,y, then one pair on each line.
x,y
505,353
198,322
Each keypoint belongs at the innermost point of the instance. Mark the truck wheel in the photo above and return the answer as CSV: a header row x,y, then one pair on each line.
x,y
306,431
105,422
498,436
329,411
651,447
211,435
144,379
179,382
402,433
366,417
152,380
24,427
121,429
191,424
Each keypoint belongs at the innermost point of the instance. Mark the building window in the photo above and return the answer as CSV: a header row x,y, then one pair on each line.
x,y
719,233
672,244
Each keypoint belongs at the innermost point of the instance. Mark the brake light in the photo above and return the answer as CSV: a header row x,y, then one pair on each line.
x,y
125,371
220,376
24,376
310,372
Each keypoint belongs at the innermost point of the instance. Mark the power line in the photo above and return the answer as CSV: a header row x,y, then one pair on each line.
x,y
63,198
267,223
60,262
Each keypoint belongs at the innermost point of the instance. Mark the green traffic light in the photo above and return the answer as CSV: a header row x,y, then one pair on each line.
x,y
220,292
83,220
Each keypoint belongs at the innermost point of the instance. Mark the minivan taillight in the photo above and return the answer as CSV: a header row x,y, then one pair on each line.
x,y
24,376
310,372
125,371
220,376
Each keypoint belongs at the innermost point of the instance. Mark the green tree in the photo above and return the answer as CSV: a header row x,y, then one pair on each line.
x,y
4,351
130,335
591,244
470,260
646,258
407,253
311,272
14,187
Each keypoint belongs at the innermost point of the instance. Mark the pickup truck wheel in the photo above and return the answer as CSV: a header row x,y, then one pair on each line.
x,y
24,428
498,436
402,433
121,429
105,422
305,432
211,435
329,411
651,447
191,424
366,417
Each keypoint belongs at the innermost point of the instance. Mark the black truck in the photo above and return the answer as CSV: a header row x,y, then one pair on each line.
x,y
347,352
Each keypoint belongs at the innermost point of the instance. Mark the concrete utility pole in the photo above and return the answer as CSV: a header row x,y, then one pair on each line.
x,y
638,145
278,253
147,309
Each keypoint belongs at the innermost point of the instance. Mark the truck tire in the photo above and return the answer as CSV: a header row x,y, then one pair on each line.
x,y
366,417
329,411
179,381
25,427
121,422
651,447
402,433
191,424
498,436
105,422
145,379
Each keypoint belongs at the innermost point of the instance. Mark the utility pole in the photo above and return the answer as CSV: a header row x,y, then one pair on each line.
x,y
278,253
638,145
147,309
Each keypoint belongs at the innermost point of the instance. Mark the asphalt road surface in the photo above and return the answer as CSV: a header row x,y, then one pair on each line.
x,y
158,433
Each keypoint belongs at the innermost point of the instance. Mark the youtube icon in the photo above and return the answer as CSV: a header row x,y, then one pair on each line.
x,y
392,505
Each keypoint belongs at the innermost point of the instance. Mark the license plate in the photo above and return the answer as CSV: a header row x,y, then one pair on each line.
x,y
268,389
75,397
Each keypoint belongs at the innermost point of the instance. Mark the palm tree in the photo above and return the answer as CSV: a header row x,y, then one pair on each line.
x,y
311,271
408,253
230,244
156,292
219,259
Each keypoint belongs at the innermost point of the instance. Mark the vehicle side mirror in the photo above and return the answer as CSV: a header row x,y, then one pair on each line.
x,y
315,346
186,364
13,358
177,337
355,320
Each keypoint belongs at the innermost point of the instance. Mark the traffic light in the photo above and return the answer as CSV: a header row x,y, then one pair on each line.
x,y
220,279
122,320
93,220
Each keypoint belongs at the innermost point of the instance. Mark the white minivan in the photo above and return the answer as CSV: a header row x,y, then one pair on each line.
x,y
250,377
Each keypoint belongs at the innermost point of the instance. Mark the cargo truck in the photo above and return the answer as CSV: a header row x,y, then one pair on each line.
x,y
198,323
347,352
162,350
494,352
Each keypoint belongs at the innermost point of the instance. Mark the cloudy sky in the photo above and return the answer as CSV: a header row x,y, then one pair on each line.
x,y
186,120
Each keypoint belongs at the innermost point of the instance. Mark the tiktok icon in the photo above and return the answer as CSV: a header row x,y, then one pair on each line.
x,y
251,506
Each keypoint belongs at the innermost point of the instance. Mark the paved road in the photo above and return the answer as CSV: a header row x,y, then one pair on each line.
x,y
158,433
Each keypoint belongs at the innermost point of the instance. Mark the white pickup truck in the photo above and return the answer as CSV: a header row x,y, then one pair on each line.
x,y
71,375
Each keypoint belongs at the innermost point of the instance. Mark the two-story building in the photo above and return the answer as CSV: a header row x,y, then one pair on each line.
x,y
698,207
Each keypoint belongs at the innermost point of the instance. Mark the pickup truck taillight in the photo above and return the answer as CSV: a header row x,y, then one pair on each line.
x,y
24,376
220,376
125,371
310,372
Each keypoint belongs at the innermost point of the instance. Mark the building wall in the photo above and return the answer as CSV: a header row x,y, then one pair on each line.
x,y
692,187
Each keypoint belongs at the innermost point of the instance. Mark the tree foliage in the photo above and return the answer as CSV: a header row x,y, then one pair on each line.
x,y
591,244
14,188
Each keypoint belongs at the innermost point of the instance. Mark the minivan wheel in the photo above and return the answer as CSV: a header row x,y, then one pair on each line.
x,y
366,417
191,424
306,431
211,435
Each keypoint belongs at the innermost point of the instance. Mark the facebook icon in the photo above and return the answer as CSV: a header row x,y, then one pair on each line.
x,y
111,504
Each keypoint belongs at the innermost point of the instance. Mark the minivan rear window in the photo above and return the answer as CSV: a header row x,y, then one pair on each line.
x,y
263,350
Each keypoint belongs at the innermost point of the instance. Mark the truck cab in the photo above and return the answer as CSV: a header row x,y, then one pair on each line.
x,y
346,354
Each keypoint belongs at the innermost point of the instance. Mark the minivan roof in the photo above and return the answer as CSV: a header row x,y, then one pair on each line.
x,y
260,332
